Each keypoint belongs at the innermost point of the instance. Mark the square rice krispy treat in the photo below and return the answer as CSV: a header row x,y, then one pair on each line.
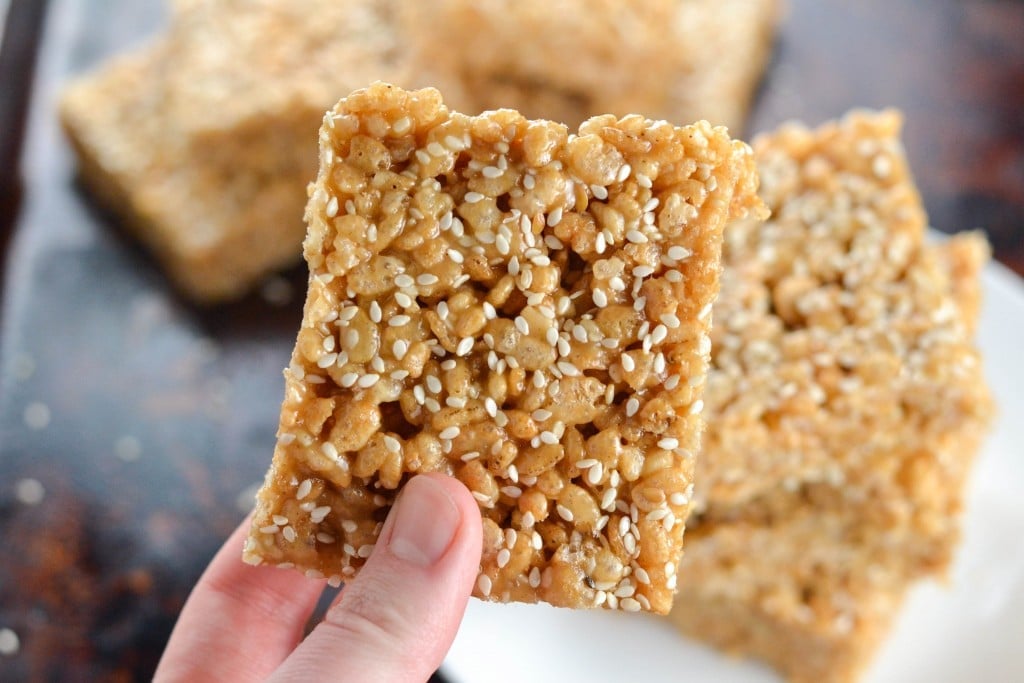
x,y
521,307
203,142
840,353
801,593
680,60
845,406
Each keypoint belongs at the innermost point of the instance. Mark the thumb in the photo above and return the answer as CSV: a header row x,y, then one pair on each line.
x,y
397,619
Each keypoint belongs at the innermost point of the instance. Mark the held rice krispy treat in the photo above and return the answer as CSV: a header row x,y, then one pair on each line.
x,y
845,405
521,307
680,60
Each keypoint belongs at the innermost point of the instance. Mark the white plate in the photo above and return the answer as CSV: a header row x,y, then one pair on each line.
x,y
970,630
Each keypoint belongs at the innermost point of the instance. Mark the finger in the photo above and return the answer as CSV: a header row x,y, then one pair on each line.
x,y
397,619
240,622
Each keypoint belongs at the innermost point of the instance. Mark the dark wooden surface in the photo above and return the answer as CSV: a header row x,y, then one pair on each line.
x,y
161,416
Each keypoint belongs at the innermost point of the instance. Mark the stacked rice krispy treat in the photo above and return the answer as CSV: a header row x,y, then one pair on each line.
x,y
521,307
680,60
202,142
845,405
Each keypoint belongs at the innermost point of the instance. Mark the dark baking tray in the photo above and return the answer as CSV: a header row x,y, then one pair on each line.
x,y
161,415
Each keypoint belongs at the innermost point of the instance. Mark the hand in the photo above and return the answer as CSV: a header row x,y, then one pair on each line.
x,y
394,622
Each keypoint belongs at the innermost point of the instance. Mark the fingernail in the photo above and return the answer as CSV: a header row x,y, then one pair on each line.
x,y
425,521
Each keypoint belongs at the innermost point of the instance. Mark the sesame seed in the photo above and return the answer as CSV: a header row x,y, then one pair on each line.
x,y
595,473
426,279
484,584
548,437
643,271
332,207
658,334
348,379
328,449
402,125
554,217
632,406
534,577
512,491
628,364
319,514
289,534
599,191
629,605
473,197
365,550
678,498
392,444
651,204
659,363
567,368
403,280
422,156
490,406
668,443
541,414
433,384
670,320
503,557
564,512
678,253
636,237
600,298
436,149
399,320
449,433
305,488
696,407
491,172
269,529
367,381
674,276
522,325
465,346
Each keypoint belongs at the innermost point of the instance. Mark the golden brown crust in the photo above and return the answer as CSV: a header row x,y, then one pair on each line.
x,y
519,306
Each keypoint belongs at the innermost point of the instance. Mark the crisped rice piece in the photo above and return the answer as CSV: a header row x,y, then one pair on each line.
x,y
681,60
521,307
845,405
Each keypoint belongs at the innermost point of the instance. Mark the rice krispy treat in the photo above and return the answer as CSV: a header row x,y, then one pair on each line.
x,y
216,229
521,307
680,60
845,405
840,354
208,161
807,594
